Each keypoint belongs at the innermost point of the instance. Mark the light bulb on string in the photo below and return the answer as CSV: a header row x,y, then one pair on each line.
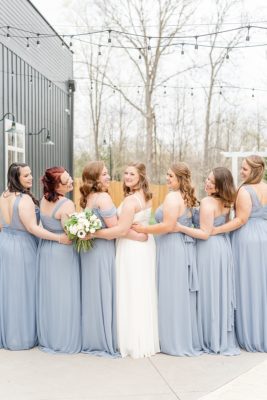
x,y
138,91
71,44
109,36
220,92
140,56
38,40
30,79
149,46
92,85
8,32
99,51
192,91
227,55
196,44
248,37
182,51
28,44
49,85
253,93
165,92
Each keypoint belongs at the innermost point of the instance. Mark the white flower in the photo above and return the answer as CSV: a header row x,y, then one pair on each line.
x,y
73,229
81,234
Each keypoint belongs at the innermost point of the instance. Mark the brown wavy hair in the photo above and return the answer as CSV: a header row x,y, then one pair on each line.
x,y
257,165
91,184
13,181
51,180
224,184
143,183
183,175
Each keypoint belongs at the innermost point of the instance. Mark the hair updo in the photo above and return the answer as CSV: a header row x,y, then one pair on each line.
x,y
183,175
51,180
91,183
257,165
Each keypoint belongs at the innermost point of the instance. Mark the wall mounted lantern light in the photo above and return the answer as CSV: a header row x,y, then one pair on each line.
x,y
48,140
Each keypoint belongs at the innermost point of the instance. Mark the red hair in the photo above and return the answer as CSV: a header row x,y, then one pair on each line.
x,y
51,181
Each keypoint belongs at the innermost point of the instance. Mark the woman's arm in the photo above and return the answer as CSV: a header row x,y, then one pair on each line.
x,y
124,222
206,221
243,210
171,208
28,218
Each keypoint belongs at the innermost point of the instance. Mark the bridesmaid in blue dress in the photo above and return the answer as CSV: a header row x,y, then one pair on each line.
x,y
216,296
176,263
98,268
58,271
249,244
18,248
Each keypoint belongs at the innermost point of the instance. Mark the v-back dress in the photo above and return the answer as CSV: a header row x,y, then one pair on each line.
x,y
137,319
58,292
18,249
177,290
216,299
99,330
249,244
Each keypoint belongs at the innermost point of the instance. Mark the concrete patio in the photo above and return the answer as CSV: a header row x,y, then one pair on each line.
x,y
34,375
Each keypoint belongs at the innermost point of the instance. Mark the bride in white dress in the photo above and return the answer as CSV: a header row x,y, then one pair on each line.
x,y
137,321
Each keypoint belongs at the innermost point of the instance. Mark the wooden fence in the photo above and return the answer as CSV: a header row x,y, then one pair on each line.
x,y
115,190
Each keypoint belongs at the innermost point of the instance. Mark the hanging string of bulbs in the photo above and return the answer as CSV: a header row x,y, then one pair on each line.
x,y
183,40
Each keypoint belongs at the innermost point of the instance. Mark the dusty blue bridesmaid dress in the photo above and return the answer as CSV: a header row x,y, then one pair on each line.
x,y
58,292
177,290
249,244
216,297
18,250
98,295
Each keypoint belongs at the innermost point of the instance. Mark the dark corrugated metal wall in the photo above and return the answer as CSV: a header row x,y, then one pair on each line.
x,y
37,102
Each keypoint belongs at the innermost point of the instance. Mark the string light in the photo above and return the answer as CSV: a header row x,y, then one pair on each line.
x,y
140,56
38,40
248,37
253,95
49,85
109,36
149,46
8,32
196,45
165,92
220,90
192,91
227,54
30,79
182,51
99,51
28,44
71,44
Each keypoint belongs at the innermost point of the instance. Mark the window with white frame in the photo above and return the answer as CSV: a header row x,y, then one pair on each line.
x,y
14,144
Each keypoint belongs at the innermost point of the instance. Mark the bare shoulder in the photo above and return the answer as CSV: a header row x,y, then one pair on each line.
x,y
104,199
130,202
173,197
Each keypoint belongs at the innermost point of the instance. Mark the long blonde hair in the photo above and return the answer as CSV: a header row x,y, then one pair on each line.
x,y
183,175
91,183
143,181
257,165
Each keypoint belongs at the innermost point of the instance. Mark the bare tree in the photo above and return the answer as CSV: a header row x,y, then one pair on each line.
x,y
135,16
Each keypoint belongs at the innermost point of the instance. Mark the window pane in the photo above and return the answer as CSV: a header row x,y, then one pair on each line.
x,y
20,140
11,139
20,157
11,157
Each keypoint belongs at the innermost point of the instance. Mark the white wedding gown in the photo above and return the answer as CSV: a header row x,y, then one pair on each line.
x,y
137,320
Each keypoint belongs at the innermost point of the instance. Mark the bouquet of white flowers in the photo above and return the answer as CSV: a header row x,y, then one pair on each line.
x,y
79,225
